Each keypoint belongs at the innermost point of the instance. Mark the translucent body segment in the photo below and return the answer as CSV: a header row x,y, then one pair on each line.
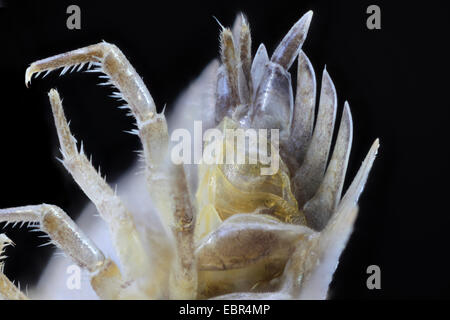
x,y
258,66
273,105
273,102
241,188
225,98
303,115
308,177
319,209
287,50
358,183
314,262
244,239
261,276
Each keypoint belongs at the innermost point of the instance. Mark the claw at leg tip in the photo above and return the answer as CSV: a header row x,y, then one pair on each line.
x,y
28,74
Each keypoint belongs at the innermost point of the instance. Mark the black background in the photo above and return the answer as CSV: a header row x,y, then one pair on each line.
x,y
394,79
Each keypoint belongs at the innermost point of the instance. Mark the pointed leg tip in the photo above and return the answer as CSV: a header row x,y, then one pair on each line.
x,y
28,74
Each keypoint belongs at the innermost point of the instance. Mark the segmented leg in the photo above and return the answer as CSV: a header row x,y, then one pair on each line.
x,y
108,59
111,61
152,129
126,239
65,234
184,279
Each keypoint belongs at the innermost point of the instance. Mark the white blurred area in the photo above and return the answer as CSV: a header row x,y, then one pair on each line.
x,y
52,284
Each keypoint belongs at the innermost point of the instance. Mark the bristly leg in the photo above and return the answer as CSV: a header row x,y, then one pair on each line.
x,y
128,243
152,128
249,251
66,235
8,290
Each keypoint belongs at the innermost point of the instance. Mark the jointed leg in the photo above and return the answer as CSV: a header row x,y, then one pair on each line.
x,y
152,129
110,61
66,235
128,243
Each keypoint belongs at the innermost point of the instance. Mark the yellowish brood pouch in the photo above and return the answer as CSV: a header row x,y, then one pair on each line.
x,y
215,230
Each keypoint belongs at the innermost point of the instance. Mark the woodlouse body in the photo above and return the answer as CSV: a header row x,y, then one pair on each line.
x,y
244,234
